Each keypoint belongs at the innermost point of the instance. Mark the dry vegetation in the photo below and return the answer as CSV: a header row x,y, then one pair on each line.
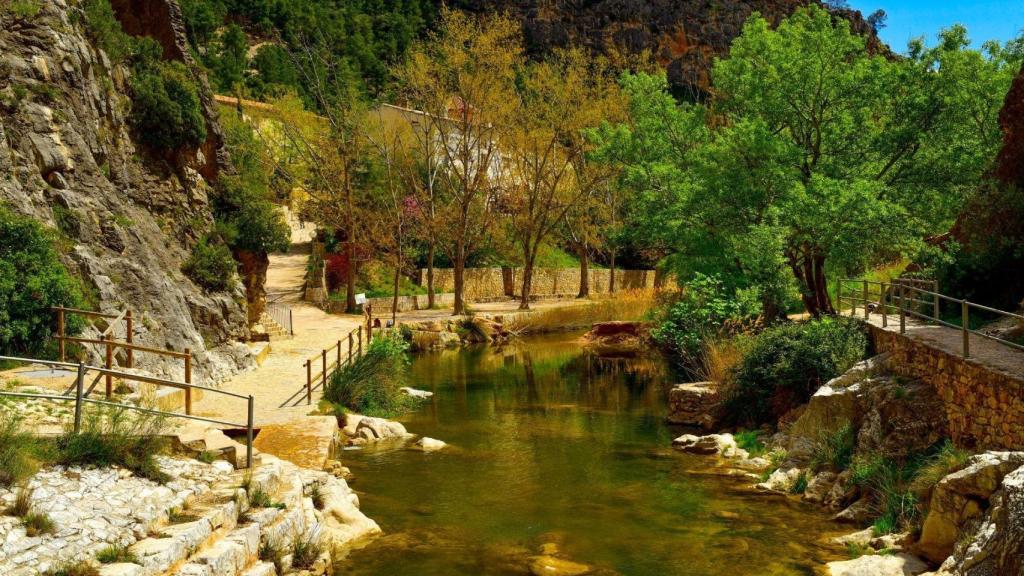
x,y
625,305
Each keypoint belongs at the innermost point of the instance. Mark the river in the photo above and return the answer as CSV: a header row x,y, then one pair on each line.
x,y
552,446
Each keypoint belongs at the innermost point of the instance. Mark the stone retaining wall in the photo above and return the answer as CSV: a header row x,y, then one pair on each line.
x,y
985,407
494,282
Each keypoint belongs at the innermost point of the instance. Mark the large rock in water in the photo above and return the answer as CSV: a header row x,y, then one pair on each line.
x,y
962,497
694,404
616,338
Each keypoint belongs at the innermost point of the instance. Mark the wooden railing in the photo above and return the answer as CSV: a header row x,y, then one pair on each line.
x,y
81,394
907,297
108,345
332,359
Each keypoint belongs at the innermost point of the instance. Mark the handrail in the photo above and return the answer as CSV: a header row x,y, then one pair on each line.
x,y
902,291
126,346
80,397
81,312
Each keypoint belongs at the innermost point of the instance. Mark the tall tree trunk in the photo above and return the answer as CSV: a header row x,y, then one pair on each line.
x,y
809,268
459,268
611,279
350,281
430,275
524,298
584,273
398,275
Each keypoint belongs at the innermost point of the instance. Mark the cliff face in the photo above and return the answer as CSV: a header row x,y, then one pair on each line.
x,y
683,36
67,159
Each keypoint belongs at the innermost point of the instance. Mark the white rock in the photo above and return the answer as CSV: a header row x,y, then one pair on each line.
x,y
883,565
429,444
413,392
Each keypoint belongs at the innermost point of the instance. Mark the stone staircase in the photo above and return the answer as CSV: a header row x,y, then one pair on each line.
x,y
272,329
221,534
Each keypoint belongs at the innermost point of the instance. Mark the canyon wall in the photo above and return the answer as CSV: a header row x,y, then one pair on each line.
x,y
126,220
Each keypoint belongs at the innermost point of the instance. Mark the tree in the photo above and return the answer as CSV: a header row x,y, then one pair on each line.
x,y
547,169
463,79
32,279
815,156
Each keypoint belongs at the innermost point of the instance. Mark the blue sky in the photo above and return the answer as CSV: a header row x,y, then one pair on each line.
x,y
985,19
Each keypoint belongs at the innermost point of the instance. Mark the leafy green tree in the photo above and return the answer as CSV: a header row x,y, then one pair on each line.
x,y
166,111
231,58
817,157
32,279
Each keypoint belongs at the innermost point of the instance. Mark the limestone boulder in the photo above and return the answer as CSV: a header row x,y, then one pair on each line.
x,y
860,512
781,480
882,565
694,404
415,393
997,545
819,487
373,429
961,498
712,444
429,444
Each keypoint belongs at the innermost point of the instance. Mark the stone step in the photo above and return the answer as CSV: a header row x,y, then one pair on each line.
x,y
202,438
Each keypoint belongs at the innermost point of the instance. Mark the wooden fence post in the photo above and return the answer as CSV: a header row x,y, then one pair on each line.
x,y
129,328
866,311
323,376
337,361
350,348
60,333
79,383
965,318
188,382
359,334
309,379
903,312
885,307
109,364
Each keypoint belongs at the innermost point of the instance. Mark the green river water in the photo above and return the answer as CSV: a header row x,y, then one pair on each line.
x,y
549,445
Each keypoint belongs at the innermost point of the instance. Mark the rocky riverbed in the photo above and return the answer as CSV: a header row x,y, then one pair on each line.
x,y
972,519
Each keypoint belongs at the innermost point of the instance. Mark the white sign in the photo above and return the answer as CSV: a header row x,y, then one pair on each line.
x,y
360,299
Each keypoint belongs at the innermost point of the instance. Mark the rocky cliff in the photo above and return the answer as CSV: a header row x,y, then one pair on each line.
x,y
67,158
683,36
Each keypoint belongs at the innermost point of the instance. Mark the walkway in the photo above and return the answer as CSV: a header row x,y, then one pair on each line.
x,y
282,372
983,351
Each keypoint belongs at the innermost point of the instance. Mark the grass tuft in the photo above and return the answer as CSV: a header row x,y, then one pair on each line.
x,y
115,554
81,568
317,496
116,436
623,305
37,524
22,503
272,551
834,449
305,551
372,384
750,441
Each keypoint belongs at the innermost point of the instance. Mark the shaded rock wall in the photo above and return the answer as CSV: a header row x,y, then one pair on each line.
x,y
985,408
67,159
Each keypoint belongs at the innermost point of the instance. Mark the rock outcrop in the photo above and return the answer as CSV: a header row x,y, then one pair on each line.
x,y
694,404
67,158
682,37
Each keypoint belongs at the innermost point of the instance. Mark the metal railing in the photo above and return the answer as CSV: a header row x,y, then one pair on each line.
x,y
81,394
908,297
282,315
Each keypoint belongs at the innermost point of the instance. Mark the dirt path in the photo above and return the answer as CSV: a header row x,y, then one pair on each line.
x,y
282,373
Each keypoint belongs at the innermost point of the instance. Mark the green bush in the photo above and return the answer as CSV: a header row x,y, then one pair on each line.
x,y
166,111
706,308
889,482
786,364
32,279
750,441
211,265
116,436
371,384
105,30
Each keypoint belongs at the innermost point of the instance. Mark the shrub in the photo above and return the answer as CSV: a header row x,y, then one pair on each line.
x,y
272,551
211,265
372,383
317,496
786,364
22,503
749,440
115,554
834,448
32,280
23,9
305,551
947,459
105,30
116,436
889,482
20,452
705,309
37,523
166,111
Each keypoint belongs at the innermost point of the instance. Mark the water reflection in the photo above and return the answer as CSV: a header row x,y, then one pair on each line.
x,y
554,446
